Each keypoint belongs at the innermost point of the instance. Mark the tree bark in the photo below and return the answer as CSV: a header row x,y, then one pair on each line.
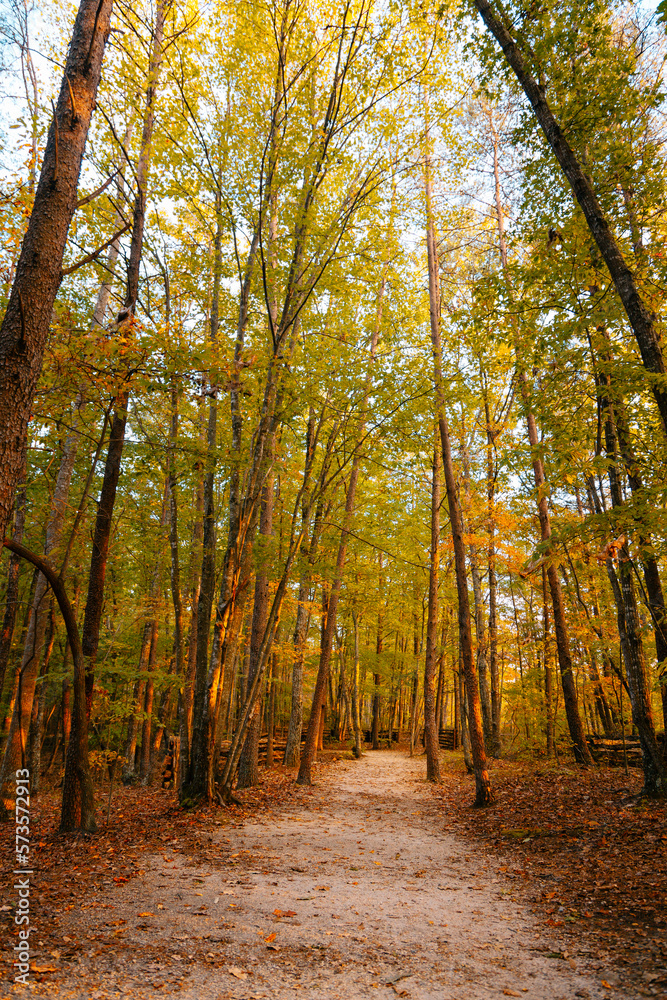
x,y
78,804
642,320
431,738
655,772
483,793
249,763
12,588
26,322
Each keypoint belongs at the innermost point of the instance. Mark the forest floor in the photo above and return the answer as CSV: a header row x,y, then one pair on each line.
x,y
361,886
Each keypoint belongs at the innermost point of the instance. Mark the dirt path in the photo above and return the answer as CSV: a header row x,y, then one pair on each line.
x,y
354,893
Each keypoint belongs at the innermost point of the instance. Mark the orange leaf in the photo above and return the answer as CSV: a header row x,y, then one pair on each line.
x,y
270,938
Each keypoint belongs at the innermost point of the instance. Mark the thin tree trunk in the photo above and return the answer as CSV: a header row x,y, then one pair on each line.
x,y
12,588
78,805
431,740
100,551
480,630
483,793
548,677
655,772
356,721
248,764
494,747
578,736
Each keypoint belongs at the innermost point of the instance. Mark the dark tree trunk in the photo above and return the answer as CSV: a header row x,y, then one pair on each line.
x,y
548,676
356,721
248,763
480,630
78,804
655,773
483,792
431,740
12,588
26,322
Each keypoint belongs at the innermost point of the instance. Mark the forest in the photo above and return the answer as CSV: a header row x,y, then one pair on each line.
x,y
333,401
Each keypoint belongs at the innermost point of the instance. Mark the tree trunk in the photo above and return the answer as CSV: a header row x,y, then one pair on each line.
x,y
548,677
100,551
494,747
34,641
480,631
248,764
319,694
483,793
655,772
580,747
431,739
12,588
27,319
356,721
78,805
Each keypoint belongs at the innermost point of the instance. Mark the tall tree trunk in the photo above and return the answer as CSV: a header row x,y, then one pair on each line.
x,y
655,772
34,642
548,677
248,764
123,325
478,598
494,747
293,745
356,721
27,319
483,793
656,599
431,739
375,734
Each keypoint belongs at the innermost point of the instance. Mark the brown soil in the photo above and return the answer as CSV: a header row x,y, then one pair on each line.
x,y
351,889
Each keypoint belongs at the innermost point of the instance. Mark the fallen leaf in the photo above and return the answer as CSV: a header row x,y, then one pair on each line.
x,y
270,938
146,914
606,985
511,993
238,973
42,968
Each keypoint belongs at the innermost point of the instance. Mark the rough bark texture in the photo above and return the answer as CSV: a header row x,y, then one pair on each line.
x,y
12,588
25,325
33,648
248,763
655,774
431,741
